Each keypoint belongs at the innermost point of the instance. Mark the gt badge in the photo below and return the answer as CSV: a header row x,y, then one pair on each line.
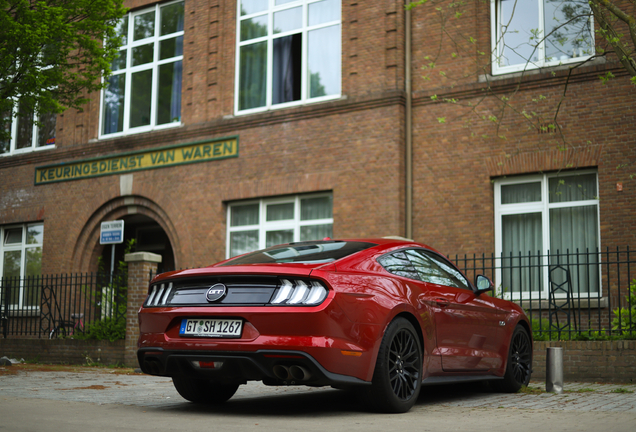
x,y
216,292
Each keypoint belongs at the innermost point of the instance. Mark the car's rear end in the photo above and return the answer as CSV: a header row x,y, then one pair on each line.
x,y
271,321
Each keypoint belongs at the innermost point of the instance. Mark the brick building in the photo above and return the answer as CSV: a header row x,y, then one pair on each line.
x,y
230,127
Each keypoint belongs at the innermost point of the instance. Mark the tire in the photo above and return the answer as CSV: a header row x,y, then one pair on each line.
x,y
203,391
519,365
397,378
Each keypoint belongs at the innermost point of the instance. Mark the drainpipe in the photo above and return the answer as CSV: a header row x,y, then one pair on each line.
x,y
408,127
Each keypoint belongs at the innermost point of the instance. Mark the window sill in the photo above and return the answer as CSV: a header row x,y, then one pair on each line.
x,y
537,71
139,131
575,303
28,151
22,313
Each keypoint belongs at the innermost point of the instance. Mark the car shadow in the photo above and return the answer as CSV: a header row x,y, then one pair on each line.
x,y
321,401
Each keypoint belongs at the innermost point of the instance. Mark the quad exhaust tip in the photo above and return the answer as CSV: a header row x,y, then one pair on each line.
x,y
294,372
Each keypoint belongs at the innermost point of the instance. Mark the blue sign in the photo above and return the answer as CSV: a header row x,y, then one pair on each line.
x,y
112,232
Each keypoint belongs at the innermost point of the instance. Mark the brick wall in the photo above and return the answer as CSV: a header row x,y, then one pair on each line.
x,y
140,265
590,361
63,351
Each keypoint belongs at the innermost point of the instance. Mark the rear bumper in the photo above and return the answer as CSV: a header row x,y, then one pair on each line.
x,y
273,367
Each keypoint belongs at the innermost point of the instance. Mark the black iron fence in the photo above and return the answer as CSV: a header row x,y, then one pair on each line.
x,y
567,295
60,305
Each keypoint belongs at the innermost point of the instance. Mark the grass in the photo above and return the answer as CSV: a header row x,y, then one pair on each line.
x,y
622,390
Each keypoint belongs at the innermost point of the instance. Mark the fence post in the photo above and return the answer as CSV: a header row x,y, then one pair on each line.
x,y
139,266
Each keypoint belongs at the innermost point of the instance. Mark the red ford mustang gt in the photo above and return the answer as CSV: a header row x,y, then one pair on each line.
x,y
384,316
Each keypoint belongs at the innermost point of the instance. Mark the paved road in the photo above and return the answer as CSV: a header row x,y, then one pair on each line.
x,y
102,400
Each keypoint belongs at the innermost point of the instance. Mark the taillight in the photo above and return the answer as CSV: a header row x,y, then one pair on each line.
x,y
297,292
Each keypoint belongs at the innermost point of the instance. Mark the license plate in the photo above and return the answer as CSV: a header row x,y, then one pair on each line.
x,y
230,328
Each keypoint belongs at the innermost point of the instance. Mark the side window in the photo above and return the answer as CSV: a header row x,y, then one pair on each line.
x,y
435,269
398,264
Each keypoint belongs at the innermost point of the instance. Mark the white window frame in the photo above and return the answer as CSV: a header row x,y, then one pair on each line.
x,y
264,226
543,207
495,14
34,137
22,247
304,98
154,66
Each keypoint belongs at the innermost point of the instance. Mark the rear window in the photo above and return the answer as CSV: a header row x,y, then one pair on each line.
x,y
303,252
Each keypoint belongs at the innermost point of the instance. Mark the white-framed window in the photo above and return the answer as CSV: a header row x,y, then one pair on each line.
x,y
26,135
21,258
257,224
529,34
544,225
288,53
144,91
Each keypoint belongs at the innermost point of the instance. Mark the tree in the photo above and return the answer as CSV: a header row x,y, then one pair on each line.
x,y
53,52
571,34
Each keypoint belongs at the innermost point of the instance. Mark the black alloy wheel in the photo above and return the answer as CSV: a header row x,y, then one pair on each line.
x,y
397,378
519,367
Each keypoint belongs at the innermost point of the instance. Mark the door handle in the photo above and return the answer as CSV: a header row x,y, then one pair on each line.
x,y
441,302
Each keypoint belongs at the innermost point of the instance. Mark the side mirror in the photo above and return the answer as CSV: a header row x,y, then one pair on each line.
x,y
483,284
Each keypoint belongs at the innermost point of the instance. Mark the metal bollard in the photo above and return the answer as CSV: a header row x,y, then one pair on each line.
x,y
554,370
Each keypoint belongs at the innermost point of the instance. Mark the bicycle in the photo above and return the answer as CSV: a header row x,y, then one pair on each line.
x,y
68,328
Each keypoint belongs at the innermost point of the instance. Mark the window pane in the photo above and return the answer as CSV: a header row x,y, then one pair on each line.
x,y
435,271
316,208
33,261
254,27
457,279
398,264
11,264
119,62
13,236
244,215
114,104
252,6
522,245
35,234
287,67
280,2
521,193
568,30
169,93
518,26
144,26
277,212
316,232
140,98
324,61
324,11
273,238
288,19
5,145
573,188
122,30
172,18
46,130
243,242
171,48
24,137
253,76
574,231
31,290
143,54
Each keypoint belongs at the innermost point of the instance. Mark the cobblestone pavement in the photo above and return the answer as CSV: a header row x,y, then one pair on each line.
x,y
104,387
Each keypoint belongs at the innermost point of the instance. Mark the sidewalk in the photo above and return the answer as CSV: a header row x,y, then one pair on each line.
x,y
104,386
